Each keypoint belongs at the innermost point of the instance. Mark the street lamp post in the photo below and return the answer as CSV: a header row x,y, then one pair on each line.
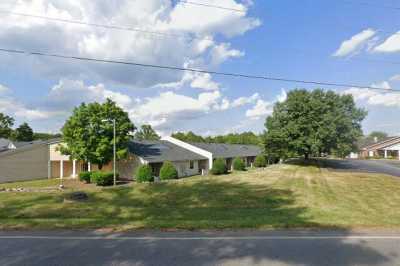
x,y
114,148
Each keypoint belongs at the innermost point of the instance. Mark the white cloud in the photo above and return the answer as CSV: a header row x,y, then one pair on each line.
x,y
395,78
390,45
204,81
69,93
245,100
168,107
16,109
220,53
4,89
261,109
375,97
152,15
355,43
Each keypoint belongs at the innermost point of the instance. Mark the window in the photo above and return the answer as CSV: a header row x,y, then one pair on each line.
x,y
191,164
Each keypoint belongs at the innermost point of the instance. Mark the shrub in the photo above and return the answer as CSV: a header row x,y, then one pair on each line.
x,y
239,165
260,161
144,174
219,167
102,178
85,177
168,171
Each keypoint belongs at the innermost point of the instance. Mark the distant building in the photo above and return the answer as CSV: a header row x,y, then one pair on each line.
x,y
387,148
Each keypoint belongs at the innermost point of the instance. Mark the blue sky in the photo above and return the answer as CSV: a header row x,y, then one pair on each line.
x,y
341,41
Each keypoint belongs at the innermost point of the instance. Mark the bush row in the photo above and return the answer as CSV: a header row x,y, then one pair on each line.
x,y
168,171
99,178
145,174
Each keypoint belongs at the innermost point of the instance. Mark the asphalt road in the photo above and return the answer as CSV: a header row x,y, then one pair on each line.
x,y
390,167
212,248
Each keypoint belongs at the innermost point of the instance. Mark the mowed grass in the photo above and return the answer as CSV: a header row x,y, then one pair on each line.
x,y
281,196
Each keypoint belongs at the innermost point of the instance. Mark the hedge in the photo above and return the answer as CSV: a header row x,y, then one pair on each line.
x,y
102,178
239,165
168,171
260,161
144,174
85,177
219,167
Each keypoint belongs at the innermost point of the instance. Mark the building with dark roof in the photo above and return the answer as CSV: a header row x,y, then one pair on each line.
x,y
387,148
42,159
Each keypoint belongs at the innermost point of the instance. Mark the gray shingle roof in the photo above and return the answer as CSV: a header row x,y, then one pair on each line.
x,y
220,150
4,144
160,151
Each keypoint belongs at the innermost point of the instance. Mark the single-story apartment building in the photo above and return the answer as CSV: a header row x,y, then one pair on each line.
x,y
387,148
38,160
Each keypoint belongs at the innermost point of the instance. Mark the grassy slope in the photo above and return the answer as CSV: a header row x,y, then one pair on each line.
x,y
279,197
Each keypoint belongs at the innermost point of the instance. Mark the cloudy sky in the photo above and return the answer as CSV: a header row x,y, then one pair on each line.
x,y
335,41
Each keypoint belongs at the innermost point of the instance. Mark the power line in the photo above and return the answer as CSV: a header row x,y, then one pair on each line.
x,y
113,27
238,75
212,6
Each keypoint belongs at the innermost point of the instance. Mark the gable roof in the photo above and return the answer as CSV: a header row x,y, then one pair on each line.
x,y
220,150
4,143
160,151
23,146
382,144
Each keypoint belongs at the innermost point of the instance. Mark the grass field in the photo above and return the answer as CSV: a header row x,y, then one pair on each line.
x,y
282,196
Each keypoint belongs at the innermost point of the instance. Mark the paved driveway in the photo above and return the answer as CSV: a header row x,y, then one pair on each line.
x,y
274,248
390,167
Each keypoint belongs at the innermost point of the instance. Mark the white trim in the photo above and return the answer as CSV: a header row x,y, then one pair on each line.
x,y
191,148
74,168
62,169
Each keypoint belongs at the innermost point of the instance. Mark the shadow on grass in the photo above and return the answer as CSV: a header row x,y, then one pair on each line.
x,y
203,204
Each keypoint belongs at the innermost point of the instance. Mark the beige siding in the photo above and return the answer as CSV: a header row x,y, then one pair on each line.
x,y
56,155
25,164
183,168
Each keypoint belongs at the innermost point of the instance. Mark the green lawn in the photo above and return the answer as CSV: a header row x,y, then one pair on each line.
x,y
281,196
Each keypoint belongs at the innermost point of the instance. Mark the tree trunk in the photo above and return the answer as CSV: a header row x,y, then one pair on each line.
x,y
306,156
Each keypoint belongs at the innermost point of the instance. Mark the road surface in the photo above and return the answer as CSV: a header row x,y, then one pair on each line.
x,y
201,248
390,167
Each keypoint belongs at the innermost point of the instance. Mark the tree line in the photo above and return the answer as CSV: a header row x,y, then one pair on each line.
x,y
249,138
23,132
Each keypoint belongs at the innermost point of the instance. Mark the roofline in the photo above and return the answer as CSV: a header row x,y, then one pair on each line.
x,y
371,146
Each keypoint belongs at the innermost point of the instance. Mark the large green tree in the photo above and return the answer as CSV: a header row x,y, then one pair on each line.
x,y
146,132
6,123
88,133
23,133
313,122
371,138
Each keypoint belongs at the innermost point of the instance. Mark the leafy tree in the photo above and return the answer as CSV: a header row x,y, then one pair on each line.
x,y
260,161
219,167
238,164
188,137
23,133
144,173
233,138
88,133
45,136
6,123
312,123
168,171
146,132
369,139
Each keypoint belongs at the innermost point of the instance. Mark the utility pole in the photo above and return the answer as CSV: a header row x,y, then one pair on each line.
x,y
115,153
